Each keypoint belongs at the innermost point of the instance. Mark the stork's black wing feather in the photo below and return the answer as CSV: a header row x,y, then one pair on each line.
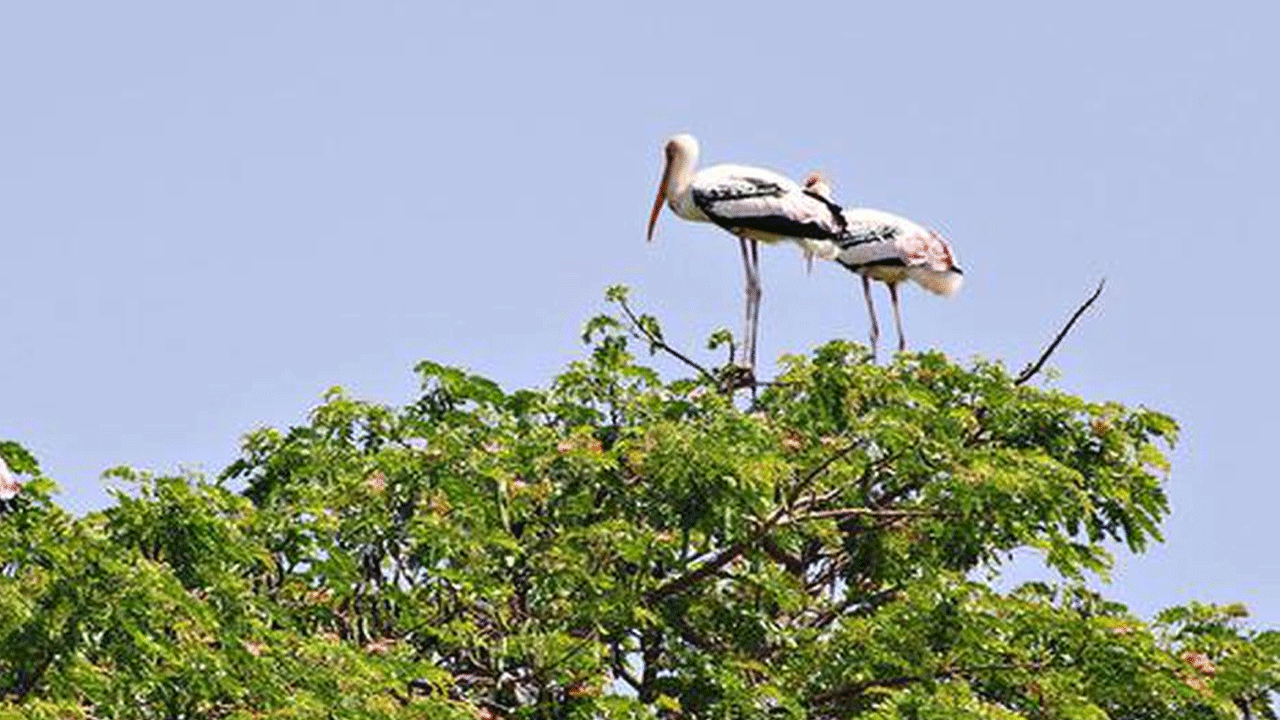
x,y
744,202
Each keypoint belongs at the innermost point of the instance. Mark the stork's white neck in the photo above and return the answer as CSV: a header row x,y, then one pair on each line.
x,y
682,158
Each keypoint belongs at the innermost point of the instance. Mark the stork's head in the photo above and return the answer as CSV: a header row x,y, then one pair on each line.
x,y
680,155
817,184
682,145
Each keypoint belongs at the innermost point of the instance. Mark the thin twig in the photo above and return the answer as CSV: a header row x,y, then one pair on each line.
x,y
626,676
659,343
1031,370
821,467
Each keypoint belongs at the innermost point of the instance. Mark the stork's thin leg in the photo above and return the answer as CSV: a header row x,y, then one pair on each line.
x,y
871,312
744,352
897,318
755,310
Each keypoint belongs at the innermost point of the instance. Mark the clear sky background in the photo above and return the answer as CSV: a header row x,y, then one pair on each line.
x,y
209,213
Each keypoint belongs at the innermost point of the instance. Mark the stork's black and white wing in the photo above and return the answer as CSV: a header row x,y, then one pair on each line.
x,y
890,247
764,204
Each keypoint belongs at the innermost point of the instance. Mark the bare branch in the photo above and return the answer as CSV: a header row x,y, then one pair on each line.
x,y
1031,370
659,343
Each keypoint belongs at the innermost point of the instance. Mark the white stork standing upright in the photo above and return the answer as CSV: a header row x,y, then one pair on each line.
x,y
756,205
882,246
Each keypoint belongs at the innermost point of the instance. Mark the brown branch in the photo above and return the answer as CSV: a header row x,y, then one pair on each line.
x,y
650,654
815,499
828,576
870,600
1033,368
863,480
680,583
979,417
618,660
793,564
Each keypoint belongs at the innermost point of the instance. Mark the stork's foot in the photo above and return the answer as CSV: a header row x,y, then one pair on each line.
x,y
736,377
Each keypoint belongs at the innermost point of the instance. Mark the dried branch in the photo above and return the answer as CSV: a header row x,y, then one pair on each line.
x,y
1031,370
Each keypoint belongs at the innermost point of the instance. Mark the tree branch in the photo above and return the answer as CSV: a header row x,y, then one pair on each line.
x,y
659,343
793,565
866,600
727,555
680,583
1033,368
803,483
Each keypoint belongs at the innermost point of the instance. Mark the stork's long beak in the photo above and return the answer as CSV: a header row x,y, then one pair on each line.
x,y
657,202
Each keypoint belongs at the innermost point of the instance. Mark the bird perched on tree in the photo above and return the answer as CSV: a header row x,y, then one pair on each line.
x,y
755,205
878,245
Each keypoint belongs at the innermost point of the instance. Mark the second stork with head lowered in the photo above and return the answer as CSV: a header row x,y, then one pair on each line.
x,y
879,245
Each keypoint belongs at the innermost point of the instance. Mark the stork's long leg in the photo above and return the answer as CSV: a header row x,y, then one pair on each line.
x,y
871,312
897,318
744,352
758,292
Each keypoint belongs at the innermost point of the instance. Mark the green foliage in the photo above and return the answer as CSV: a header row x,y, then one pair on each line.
x,y
622,546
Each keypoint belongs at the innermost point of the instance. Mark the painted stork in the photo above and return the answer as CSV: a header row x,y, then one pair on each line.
x,y
754,204
882,246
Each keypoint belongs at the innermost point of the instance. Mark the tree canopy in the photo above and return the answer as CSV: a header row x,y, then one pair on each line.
x,y
623,545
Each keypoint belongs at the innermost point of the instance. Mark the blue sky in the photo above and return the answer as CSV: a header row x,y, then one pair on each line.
x,y
213,212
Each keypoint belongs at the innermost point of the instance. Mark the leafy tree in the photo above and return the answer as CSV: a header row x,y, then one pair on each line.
x,y
618,545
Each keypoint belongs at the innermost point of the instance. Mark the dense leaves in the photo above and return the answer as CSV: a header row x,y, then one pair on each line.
x,y
621,546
